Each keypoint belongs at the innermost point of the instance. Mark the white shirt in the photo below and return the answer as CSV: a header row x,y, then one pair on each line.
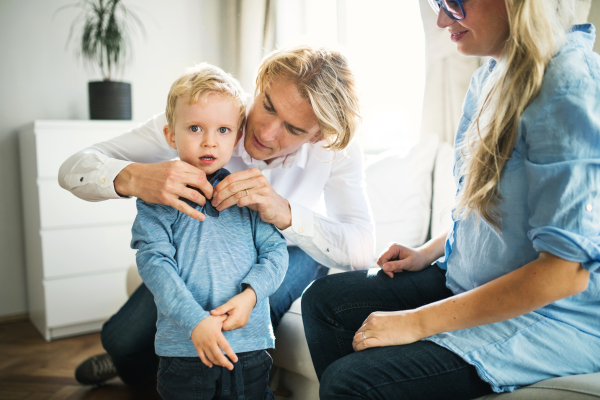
x,y
343,239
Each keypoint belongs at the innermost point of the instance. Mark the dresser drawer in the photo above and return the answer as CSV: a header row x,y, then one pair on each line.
x,y
84,299
59,209
56,141
86,250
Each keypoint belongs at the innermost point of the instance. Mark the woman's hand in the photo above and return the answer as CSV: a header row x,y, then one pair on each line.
x,y
164,183
388,329
251,189
398,258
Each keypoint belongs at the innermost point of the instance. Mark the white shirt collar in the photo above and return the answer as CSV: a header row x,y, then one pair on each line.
x,y
298,158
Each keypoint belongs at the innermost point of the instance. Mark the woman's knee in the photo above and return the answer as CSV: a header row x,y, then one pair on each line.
x,y
340,379
317,295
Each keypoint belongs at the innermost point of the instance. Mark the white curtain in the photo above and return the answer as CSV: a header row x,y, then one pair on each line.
x,y
252,36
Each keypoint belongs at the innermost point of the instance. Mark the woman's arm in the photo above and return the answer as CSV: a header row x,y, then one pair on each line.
x,y
533,286
398,258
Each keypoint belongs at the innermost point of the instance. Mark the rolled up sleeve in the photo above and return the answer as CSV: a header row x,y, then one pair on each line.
x,y
563,171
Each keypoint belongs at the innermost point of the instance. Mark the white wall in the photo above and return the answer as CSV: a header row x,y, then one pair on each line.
x,y
41,79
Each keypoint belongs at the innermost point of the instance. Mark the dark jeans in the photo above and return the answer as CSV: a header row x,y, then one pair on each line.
x,y
186,378
128,336
333,308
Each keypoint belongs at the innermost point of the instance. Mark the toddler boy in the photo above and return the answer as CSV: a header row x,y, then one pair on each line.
x,y
232,261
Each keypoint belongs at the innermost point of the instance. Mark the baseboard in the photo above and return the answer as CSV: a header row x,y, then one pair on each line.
x,y
7,319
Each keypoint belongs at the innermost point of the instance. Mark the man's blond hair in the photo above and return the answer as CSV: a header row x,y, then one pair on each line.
x,y
200,81
324,78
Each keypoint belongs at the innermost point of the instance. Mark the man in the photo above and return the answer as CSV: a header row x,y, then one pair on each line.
x,y
296,150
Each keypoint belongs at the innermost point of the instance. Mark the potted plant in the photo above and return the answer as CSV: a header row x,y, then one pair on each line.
x,y
105,44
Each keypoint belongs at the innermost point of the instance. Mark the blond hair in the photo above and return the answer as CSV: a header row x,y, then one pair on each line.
x,y
324,78
200,81
537,31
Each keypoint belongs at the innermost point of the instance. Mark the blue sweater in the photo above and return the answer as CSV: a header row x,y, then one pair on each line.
x,y
192,267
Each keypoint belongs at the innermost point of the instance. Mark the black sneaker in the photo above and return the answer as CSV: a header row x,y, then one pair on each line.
x,y
96,370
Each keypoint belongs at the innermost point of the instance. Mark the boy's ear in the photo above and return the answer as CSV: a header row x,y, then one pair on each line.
x,y
170,136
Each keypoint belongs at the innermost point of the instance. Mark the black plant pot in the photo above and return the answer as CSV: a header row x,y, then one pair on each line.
x,y
110,100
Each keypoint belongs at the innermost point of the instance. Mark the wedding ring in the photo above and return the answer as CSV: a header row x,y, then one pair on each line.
x,y
363,333
247,194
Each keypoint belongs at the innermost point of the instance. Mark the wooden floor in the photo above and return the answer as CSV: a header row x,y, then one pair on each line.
x,y
31,368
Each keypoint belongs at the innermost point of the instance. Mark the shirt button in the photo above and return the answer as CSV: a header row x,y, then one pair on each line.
x,y
300,230
102,181
589,207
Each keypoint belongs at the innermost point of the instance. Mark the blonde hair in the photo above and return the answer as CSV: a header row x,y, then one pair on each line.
x,y
200,81
537,31
324,78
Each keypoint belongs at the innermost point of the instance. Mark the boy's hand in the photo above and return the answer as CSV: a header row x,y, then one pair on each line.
x,y
208,340
237,310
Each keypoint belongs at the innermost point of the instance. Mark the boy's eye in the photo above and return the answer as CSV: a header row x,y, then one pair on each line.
x,y
195,128
223,130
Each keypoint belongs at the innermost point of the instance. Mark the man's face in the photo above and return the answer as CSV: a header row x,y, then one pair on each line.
x,y
279,122
205,132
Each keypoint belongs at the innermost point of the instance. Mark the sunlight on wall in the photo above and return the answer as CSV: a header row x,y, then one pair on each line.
x,y
385,44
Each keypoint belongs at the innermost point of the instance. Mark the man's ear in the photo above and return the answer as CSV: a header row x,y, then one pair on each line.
x,y
239,134
318,137
170,136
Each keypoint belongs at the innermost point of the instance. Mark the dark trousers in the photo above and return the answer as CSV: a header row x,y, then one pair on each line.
x,y
128,336
186,378
333,308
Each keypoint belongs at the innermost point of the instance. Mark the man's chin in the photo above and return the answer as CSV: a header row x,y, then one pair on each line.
x,y
256,153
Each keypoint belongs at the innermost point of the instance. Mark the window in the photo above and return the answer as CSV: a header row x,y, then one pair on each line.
x,y
385,44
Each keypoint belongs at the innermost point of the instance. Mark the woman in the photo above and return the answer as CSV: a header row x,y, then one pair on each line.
x,y
514,298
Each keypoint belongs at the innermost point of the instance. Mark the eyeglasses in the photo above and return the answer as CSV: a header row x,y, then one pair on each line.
x,y
452,8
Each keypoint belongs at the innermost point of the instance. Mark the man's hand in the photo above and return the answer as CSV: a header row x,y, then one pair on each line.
x,y
164,183
209,340
251,189
397,258
388,329
237,310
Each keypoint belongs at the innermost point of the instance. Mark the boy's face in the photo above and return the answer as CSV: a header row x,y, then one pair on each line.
x,y
205,132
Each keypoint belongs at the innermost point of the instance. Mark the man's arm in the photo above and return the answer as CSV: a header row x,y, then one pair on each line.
x,y
135,164
345,239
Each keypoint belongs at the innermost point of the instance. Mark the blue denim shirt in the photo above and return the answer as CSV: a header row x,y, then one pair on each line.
x,y
550,190
192,267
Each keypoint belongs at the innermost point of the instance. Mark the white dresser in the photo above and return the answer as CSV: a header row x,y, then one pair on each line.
x,y
77,252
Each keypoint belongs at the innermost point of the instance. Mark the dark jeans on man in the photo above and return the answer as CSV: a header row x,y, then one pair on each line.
x,y
128,336
186,378
333,308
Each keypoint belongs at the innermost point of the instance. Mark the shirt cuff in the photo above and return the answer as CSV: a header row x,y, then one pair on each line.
x,y
191,323
108,175
302,222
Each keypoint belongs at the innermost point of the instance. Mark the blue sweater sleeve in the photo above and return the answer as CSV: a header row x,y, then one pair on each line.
x,y
563,171
152,236
272,261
